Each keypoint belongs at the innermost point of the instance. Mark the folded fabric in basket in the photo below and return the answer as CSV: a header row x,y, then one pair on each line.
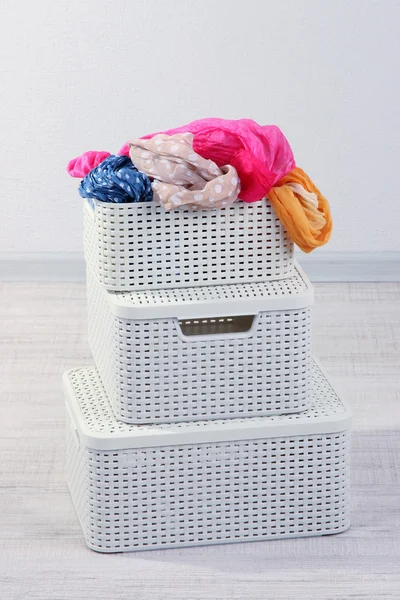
x,y
116,179
303,210
181,177
264,166
260,154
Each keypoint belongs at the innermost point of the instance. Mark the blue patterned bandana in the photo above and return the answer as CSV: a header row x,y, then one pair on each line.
x,y
116,179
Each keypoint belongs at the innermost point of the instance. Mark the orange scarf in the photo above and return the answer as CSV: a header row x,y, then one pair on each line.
x,y
308,222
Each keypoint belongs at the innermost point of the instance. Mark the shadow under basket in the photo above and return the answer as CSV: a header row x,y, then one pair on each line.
x,y
204,352
142,246
209,482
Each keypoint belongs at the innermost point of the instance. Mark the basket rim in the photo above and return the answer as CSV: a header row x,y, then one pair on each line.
x,y
237,299
189,209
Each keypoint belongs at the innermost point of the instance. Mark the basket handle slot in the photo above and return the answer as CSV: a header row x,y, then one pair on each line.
x,y
232,326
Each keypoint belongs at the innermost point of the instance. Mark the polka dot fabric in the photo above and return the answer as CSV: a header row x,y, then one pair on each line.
x,y
260,153
181,177
117,180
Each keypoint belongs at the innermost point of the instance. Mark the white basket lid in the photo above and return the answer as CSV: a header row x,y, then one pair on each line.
x,y
292,293
97,427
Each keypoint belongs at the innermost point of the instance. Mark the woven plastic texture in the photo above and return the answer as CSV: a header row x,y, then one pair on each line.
x,y
293,292
141,246
154,373
99,418
208,493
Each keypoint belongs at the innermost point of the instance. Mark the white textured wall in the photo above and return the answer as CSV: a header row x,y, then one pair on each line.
x,y
89,75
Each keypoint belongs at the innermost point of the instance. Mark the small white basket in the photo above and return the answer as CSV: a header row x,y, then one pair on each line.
x,y
165,486
142,246
205,352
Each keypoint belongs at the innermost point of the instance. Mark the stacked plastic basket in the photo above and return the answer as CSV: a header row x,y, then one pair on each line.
x,y
206,419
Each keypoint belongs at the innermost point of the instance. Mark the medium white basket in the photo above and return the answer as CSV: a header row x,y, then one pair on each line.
x,y
142,246
164,486
203,353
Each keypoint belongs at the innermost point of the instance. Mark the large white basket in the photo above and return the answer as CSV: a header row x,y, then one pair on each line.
x,y
141,246
203,353
163,486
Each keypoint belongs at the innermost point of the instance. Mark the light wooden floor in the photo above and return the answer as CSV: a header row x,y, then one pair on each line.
x,y
42,553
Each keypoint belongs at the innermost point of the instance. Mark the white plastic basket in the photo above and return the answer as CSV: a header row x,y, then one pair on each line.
x,y
163,486
142,246
203,353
